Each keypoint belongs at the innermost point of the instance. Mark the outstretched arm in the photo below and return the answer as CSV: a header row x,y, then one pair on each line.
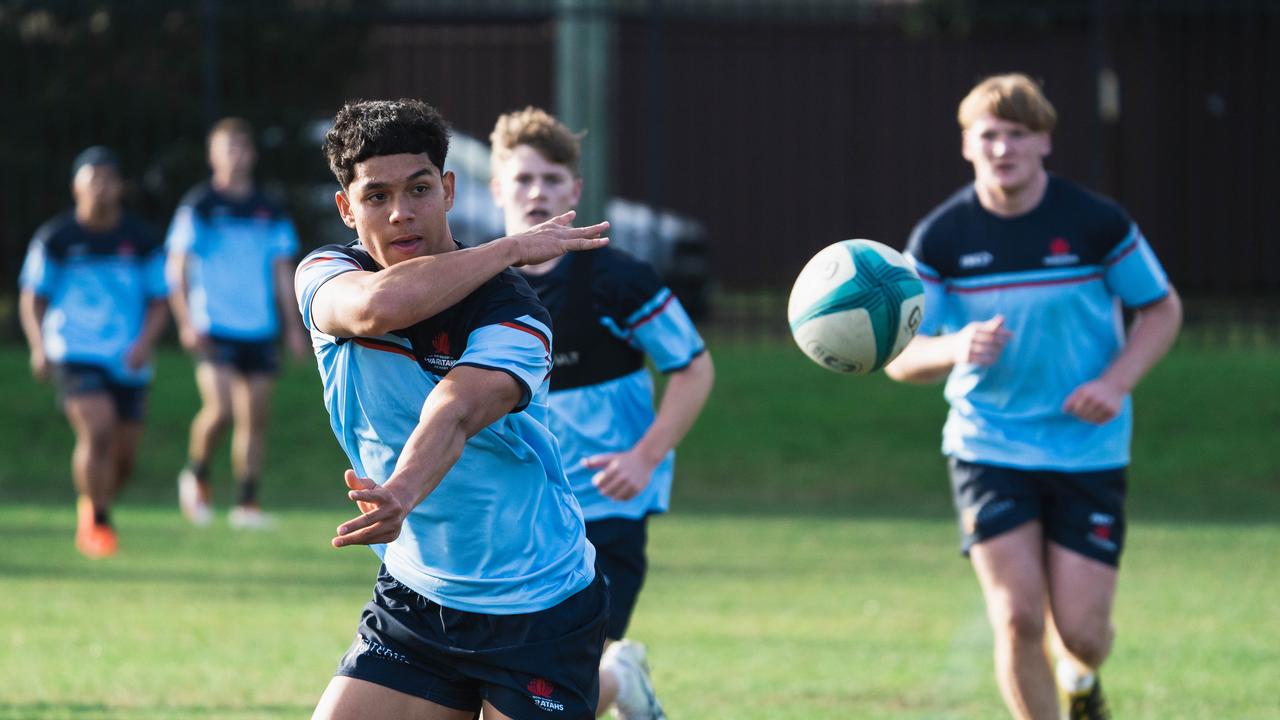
x,y
370,304
623,475
928,359
466,401
1152,333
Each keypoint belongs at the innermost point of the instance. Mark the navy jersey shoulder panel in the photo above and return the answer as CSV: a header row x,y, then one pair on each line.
x,y
353,250
208,203
1071,227
621,283
57,234
63,237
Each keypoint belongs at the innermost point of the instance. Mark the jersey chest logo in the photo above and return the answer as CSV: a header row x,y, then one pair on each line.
x,y
439,360
1060,253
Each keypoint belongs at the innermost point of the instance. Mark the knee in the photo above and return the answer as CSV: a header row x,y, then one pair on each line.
x,y
1018,621
215,417
1090,644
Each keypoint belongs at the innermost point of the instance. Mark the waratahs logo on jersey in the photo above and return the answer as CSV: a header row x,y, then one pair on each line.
x,y
1060,253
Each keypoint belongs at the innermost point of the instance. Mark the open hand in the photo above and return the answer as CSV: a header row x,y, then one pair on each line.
x,y
555,237
382,513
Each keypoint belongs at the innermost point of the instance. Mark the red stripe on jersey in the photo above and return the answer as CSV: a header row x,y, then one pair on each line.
x,y
1124,254
656,312
1028,283
309,263
384,347
531,331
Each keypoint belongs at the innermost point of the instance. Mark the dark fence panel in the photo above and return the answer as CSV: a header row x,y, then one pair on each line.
x,y
780,126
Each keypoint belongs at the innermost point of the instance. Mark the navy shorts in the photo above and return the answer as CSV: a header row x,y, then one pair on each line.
x,y
532,665
620,544
1081,511
73,379
247,357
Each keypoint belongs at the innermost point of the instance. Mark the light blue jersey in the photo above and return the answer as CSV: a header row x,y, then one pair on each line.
x,y
502,533
610,311
233,246
1059,275
98,286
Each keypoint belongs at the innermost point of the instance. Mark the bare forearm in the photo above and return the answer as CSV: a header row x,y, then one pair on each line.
x,y
926,359
414,290
1152,334
31,309
176,270
153,325
682,401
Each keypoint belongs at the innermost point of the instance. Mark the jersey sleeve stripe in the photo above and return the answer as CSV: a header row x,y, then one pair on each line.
x,y
329,258
525,328
653,313
384,346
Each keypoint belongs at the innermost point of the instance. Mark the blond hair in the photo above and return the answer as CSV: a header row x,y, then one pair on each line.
x,y
1013,97
539,130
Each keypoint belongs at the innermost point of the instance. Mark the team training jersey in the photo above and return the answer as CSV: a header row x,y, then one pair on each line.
x,y
1058,275
609,311
232,246
501,534
98,286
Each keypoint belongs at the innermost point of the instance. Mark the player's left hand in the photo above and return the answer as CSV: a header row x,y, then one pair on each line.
x,y
382,513
622,475
1097,401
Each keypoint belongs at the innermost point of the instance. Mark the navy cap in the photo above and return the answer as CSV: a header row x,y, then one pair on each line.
x,y
95,155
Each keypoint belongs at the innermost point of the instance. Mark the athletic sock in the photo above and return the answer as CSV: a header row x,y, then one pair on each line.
x,y
1071,680
247,491
199,468
101,517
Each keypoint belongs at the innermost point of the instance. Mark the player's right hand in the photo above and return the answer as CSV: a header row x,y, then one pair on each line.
x,y
555,237
382,513
981,342
193,341
39,365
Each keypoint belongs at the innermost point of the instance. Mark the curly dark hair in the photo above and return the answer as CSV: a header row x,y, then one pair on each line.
x,y
371,128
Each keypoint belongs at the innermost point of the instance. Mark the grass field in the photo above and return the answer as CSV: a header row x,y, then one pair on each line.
x,y
809,568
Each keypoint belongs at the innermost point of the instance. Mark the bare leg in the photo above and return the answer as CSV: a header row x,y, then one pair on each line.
x,y
1011,570
1081,595
608,686
93,418
214,383
348,698
250,406
127,436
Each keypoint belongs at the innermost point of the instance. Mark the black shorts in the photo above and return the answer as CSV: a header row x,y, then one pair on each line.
x,y
1081,511
74,378
247,357
533,665
620,544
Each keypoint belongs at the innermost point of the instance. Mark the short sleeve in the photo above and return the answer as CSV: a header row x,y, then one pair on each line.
x,y
285,239
40,271
1133,273
182,230
520,347
313,272
663,330
935,294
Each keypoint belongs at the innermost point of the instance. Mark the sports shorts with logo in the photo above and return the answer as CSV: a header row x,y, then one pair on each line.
x,y
73,379
619,544
246,357
1081,511
533,665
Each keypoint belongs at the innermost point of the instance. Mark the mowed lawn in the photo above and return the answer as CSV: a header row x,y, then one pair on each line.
x,y
809,568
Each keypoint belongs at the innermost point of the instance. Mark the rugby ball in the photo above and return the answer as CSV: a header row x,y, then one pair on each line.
x,y
855,306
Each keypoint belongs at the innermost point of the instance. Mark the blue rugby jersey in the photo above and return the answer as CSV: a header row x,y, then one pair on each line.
x,y
233,245
99,286
1059,275
601,393
502,533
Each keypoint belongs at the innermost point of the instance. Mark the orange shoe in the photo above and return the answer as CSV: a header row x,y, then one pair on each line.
x,y
93,540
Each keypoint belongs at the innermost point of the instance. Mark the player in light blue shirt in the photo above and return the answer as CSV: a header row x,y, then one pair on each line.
x,y
1025,276
610,311
434,362
92,306
231,251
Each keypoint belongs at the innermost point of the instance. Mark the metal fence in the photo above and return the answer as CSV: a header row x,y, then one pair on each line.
x,y
775,127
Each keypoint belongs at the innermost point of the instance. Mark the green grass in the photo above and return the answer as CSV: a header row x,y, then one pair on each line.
x,y
809,568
